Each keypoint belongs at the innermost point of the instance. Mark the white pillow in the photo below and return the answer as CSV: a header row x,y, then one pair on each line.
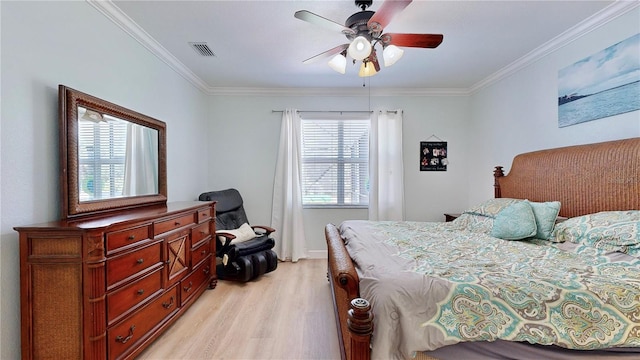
x,y
243,233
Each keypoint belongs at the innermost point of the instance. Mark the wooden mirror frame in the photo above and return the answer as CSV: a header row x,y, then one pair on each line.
x,y
68,101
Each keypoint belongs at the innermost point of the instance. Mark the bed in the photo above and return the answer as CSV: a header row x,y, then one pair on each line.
x,y
495,284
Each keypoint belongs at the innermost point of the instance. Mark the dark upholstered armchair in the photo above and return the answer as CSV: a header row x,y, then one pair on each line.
x,y
244,250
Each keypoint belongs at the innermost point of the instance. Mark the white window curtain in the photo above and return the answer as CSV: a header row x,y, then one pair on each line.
x,y
286,214
386,195
141,161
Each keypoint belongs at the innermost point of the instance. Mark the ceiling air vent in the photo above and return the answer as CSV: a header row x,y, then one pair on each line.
x,y
202,48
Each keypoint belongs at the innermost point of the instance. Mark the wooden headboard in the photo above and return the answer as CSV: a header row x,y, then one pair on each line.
x,y
584,178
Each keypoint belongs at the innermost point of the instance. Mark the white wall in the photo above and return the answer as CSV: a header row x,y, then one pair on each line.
x,y
246,132
513,115
520,113
49,43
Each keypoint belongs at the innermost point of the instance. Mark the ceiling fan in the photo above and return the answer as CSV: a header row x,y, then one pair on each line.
x,y
364,30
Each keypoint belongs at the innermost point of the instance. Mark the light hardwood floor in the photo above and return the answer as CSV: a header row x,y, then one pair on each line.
x,y
286,314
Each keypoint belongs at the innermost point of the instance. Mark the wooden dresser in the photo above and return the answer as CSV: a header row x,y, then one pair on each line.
x,y
106,287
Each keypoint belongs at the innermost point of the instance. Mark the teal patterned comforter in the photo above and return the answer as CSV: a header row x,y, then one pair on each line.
x,y
432,285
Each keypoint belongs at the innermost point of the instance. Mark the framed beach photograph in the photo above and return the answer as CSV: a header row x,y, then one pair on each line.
x,y
604,84
433,156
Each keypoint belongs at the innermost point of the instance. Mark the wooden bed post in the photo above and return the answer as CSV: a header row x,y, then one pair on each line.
x,y
360,323
497,173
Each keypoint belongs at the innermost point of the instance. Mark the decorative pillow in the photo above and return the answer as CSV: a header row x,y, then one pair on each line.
x,y
493,206
515,222
243,233
609,230
480,218
546,214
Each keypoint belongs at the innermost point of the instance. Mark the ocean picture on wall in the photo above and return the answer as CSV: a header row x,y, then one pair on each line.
x,y
604,84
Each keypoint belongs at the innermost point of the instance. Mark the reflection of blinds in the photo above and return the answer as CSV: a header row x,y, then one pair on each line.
x,y
101,149
335,162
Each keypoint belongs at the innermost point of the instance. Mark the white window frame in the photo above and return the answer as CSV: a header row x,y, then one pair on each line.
x,y
358,185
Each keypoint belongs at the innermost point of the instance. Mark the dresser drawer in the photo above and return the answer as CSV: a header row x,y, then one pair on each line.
x,y
132,295
173,223
190,285
124,266
135,328
204,214
118,239
199,253
200,233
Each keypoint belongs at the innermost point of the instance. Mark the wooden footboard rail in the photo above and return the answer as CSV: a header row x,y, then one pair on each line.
x,y
354,319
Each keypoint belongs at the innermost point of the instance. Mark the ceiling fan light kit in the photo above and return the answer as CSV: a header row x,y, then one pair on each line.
x,y
360,48
93,116
364,30
367,69
391,54
339,63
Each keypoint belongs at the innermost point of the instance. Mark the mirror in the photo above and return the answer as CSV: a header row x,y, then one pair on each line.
x,y
111,157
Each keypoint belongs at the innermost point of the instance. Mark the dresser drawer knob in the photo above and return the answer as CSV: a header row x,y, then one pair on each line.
x,y
169,304
140,261
203,252
140,292
131,237
202,232
177,223
188,288
124,340
206,270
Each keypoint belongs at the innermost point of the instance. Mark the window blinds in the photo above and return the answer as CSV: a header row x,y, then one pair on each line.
x,y
335,162
101,149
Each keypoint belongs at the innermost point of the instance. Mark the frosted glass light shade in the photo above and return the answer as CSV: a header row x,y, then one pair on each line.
x,y
391,54
367,69
359,48
92,116
338,63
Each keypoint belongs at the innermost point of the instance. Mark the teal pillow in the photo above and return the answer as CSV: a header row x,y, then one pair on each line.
x,y
480,218
545,214
515,222
609,230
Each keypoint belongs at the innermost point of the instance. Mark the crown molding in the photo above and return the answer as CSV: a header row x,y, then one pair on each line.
x,y
113,13
360,91
618,8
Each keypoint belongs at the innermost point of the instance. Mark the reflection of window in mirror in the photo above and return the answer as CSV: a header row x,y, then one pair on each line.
x,y
116,157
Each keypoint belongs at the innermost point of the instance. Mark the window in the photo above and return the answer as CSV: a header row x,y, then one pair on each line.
x,y
102,163
335,163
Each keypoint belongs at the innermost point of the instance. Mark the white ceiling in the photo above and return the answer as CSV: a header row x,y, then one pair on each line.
x,y
259,44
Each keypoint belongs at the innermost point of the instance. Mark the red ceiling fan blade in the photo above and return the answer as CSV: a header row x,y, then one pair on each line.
x,y
413,40
315,19
327,54
385,13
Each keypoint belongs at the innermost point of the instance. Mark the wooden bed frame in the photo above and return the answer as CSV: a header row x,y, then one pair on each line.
x,y
584,178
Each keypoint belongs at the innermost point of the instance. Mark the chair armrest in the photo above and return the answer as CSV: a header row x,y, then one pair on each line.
x,y
227,240
226,235
268,230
